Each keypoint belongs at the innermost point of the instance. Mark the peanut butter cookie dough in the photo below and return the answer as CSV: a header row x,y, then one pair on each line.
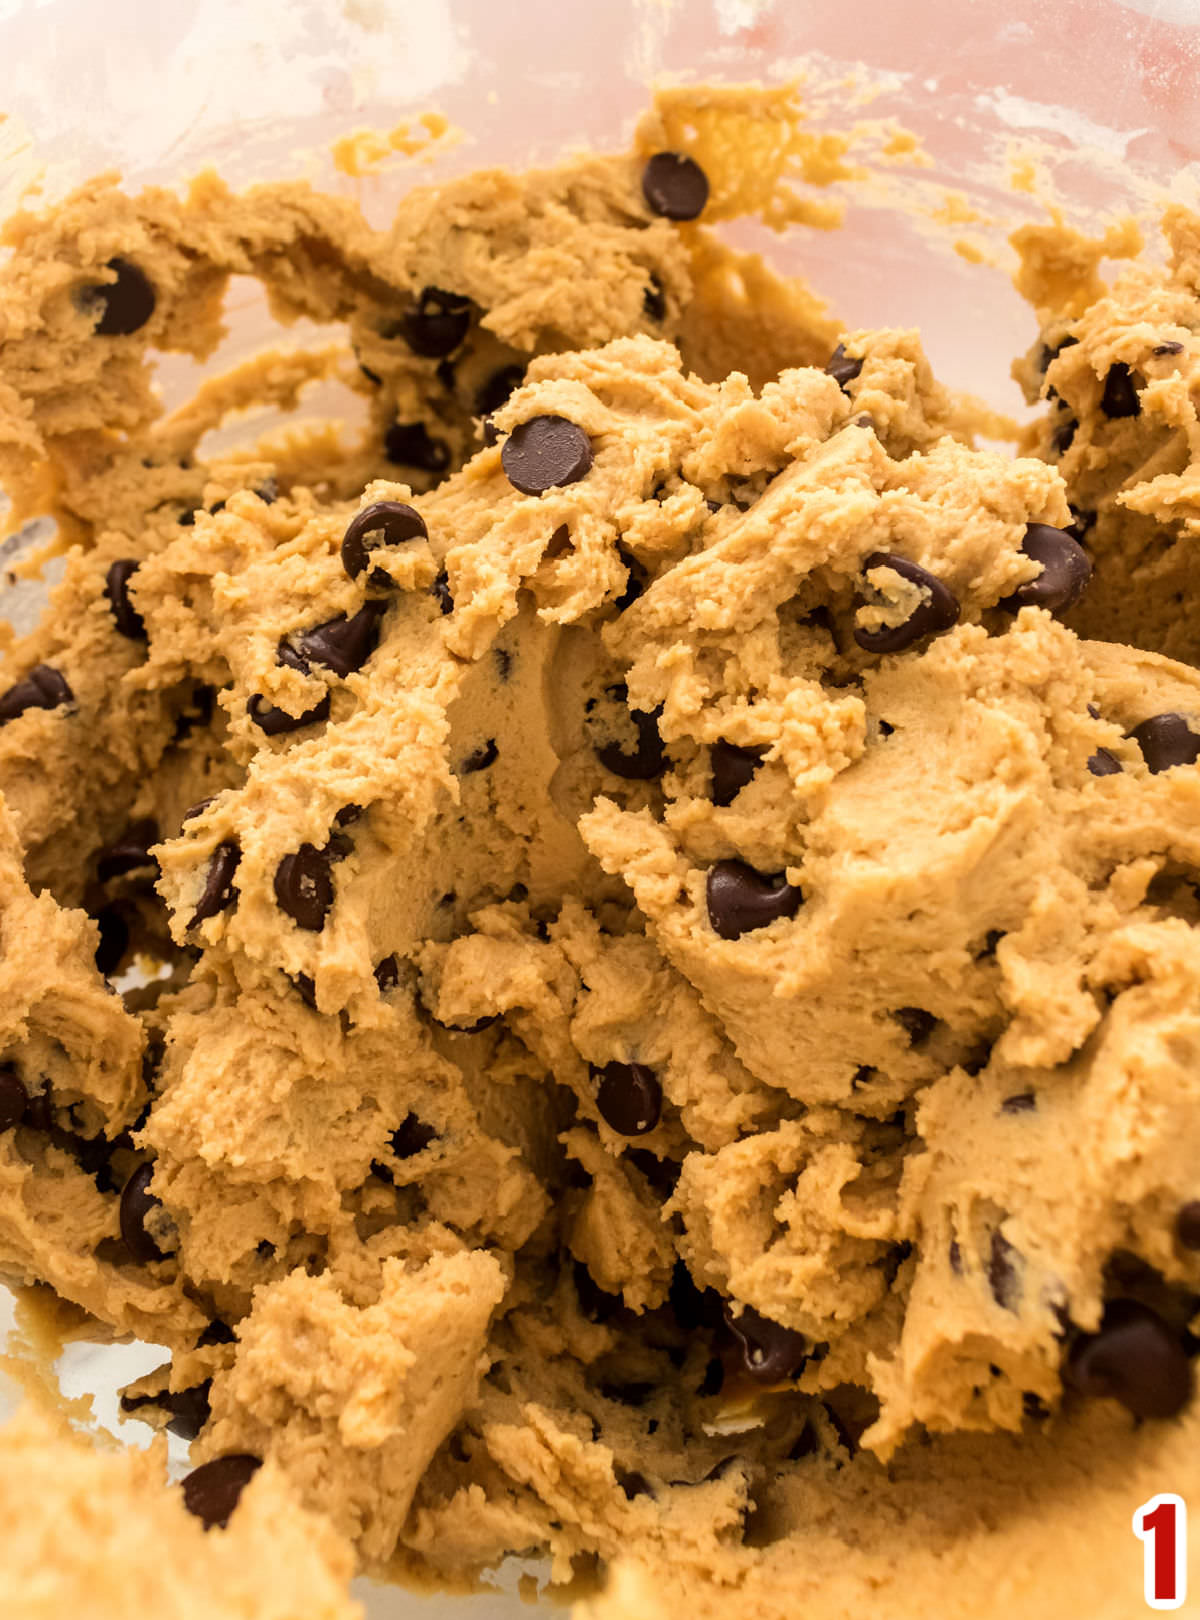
x,y
673,1040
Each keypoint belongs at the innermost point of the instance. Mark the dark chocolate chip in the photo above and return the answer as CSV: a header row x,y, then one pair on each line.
x,y
384,523
628,1097
1166,740
128,620
437,322
189,1408
348,815
1064,576
770,1351
1023,1102
114,940
137,1202
217,1332
338,845
1120,396
1170,347
1002,1273
1136,1359
13,1098
1187,1225
917,1022
387,974
545,453
648,759
304,887
491,433
498,389
130,852
219,892
125,304
212,1491
440,591
341,644
937,611
42,688
1102,763
674,186
741,899
411,1136
654,299
843,367
732,768
408,444
1063,436
198,809
480,758
278,722
955,1253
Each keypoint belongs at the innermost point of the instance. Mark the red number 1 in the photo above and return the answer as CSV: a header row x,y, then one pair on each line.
x,y
1161,1524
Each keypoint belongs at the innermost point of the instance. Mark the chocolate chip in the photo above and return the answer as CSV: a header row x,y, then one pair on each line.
x,y
628,1097
437,323
1120,397
771,1352
383,523
1063,436
955,1255
648,759
137,1202
42,688
217,1332
1170,347
545,453
654,299
218,893
387,974
1102,763
278,722
498,389
39,1111
741,899
411,1137
480,758
1166,740
1136,1359
212,1491
189,1408
130,852
114,940
1064,576
936,612
128,620
1003,1276
440,591
732,768
1187,1225
674,186
843,367
1050,353
341,644
408,444
13,1098
198,809
304,887
917,1022
1023,1102
126,303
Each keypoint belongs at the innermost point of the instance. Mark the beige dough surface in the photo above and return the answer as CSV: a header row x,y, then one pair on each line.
x,y
498,1197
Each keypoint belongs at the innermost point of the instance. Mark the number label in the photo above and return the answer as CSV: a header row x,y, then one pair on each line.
x,y
1161,1526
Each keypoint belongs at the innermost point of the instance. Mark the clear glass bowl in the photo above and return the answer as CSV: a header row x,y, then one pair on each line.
x,y
258,89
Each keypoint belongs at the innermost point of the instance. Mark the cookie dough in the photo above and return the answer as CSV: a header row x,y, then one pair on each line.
x,y
663,876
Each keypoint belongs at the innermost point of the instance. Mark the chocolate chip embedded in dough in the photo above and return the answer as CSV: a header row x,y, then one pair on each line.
x,y
219,892
1065,573
733,767
628,1097
440,591
137,1203
409,444
387,974
675,186
125,303
648,759
344,644
197,809
741,899
771,1352
42,688
1187,1225
1136,1359
278,722
480,758
13,1098
128,620
382,524
437,322
1102,763
188,1409
1169,347
843,367
547,452
498,389
936,612
1063,436
1003,1272
1120,396
1166,740
1023,1102
130,852
212,1491
304,887
411,1136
